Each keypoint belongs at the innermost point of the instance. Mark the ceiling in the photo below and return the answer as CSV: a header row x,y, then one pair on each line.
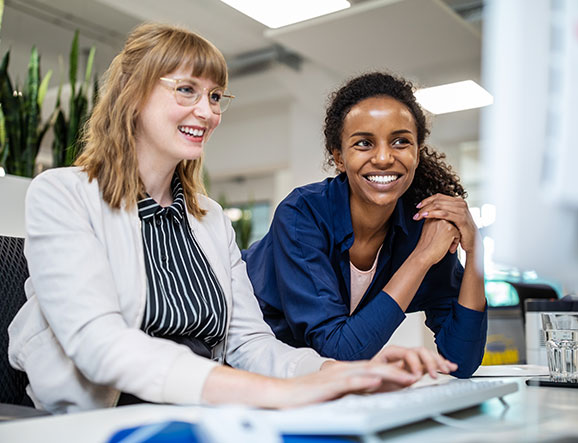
x,y
407,35
428,41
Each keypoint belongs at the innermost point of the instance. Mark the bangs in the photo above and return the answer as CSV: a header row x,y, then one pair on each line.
x,y
183,49
208,65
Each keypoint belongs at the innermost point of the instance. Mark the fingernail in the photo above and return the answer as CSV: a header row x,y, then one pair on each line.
x,y
416,216
425,214
418,205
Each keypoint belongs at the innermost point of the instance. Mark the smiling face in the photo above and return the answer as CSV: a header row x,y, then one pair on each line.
x,y
168,132
379,152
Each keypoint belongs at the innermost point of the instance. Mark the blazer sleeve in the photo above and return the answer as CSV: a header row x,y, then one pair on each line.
x,y
74,285
310,295
251,345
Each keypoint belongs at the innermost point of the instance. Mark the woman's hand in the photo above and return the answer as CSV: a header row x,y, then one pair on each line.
x,y
454,210
418,361
437,238
335,379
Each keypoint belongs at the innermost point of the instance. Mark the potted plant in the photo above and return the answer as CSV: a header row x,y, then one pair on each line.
x,y
21,128
68,130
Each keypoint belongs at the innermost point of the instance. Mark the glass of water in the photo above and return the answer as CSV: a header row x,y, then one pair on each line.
x,y
561,335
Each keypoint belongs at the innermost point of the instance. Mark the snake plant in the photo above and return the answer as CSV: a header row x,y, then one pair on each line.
x,y
21,128
67,129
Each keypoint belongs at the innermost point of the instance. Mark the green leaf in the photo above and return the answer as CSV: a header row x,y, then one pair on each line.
x,y
61,82
3,146
95,90
60,136
11,107
1,12
73,64
31,113
88,72
44,87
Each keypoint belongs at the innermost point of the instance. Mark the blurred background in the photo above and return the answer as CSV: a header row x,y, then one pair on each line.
x,y
270,140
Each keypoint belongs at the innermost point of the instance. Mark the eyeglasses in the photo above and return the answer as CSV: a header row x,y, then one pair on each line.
x,y
188,93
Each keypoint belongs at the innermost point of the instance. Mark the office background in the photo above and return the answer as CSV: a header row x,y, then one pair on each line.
x,y
270,140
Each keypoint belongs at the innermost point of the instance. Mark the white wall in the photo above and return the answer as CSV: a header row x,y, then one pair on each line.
x,y
12,194
273,129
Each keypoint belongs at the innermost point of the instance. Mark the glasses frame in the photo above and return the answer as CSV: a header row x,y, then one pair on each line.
x,y
175,82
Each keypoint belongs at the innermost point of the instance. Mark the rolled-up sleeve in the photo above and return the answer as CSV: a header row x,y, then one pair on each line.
x,y
460,332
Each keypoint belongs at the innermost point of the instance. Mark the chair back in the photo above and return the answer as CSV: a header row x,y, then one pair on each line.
x,y
13,274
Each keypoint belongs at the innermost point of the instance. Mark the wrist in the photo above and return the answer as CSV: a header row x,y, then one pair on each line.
x,y
420,261
327,364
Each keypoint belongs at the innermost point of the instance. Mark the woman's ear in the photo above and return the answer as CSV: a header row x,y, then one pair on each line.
x,y
338,159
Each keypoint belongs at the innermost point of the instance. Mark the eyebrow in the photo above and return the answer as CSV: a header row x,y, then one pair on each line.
x,y
402,131
361,134
369,134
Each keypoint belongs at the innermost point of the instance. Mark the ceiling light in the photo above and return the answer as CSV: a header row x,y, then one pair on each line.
x,y
453,97
277,13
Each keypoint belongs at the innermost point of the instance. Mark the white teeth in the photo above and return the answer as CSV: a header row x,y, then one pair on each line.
x,y
382,179
192,131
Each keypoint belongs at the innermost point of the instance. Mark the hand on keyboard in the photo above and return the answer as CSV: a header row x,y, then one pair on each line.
x,y
415,360
336,379
366,414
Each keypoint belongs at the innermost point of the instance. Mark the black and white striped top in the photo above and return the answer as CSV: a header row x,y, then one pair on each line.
x,y
184,296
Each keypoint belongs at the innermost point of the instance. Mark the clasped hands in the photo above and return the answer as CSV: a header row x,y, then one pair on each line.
x,y
448,223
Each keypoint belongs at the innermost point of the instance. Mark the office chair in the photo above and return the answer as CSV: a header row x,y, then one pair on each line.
x,y
14,403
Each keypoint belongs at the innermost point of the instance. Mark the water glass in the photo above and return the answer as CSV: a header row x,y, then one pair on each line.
x,y
561,335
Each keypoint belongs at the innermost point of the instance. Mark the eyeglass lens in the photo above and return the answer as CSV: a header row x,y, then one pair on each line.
x,y
188,93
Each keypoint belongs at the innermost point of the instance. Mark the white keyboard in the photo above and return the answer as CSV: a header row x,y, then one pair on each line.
x,y
366,414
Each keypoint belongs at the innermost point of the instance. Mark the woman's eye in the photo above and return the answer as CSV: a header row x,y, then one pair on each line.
x,y
184,89
216,96
364,144
401,142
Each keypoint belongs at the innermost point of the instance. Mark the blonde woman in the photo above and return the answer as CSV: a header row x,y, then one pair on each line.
x,y
137,291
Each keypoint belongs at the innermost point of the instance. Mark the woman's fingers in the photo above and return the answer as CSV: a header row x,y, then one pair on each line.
x,y
403,368
342,378
417,360
454,210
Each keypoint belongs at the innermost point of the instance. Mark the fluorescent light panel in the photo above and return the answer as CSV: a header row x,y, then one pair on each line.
x,y
454,97
277,13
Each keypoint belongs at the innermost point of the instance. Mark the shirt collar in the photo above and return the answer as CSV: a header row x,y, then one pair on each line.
x,y
339,197
148,208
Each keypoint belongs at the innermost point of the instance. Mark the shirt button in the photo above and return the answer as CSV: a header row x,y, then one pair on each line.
x,y
163,257
158,222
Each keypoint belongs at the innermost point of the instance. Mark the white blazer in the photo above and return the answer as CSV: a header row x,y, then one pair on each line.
x,y
78,338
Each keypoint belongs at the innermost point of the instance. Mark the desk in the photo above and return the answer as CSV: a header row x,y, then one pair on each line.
x,y
535,414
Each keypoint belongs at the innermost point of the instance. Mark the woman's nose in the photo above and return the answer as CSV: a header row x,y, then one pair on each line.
x,y
202,108
383,155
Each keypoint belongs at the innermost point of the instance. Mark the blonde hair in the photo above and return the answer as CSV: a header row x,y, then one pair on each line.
x,y
109,155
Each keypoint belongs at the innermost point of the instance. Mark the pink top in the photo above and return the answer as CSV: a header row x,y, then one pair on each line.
x,y
360,281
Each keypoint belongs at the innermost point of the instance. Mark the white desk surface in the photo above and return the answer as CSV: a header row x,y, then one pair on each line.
x,y
534,414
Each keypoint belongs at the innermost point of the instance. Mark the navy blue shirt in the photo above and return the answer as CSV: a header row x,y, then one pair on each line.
x,y
301,275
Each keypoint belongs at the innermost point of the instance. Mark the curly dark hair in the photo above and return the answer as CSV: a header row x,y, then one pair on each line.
x,y
432,175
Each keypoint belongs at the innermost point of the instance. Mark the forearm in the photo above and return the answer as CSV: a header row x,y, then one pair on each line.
x,y
226,385
361,335
404,284
462,338
472,291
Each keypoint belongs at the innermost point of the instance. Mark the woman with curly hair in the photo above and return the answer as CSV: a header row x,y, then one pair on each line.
x,y
346,258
